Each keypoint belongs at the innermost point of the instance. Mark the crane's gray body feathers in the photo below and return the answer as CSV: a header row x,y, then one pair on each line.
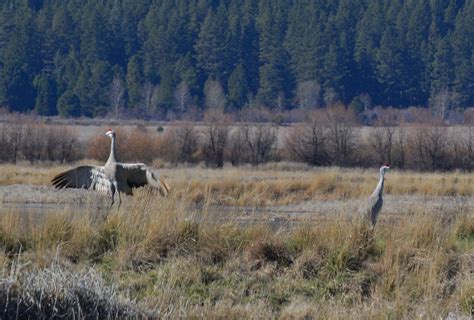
x,y
375,206
112,177
375,202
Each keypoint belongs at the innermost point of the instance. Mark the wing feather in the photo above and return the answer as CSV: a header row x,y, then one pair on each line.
x,y
86,177
137,175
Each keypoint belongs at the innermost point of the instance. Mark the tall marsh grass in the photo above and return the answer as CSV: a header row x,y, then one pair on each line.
x,y
176,257
275,183
178,262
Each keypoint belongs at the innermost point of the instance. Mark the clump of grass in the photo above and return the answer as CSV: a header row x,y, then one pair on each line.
x,y
59,292
13,240
309,265
270,250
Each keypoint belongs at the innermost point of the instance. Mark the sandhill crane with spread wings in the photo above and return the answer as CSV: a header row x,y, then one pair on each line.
x,y
114,177
375,203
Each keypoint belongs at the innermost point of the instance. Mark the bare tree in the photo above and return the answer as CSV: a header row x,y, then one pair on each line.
x,y
116,95
308,94
469,145
341,122
183,143
382,139
280,100
366,100
400,148
68,146
237,145
214,94
330,97
259,142
17,138
4,143
429,145
215,137
307,142
182,96
150,97
460,144
441,103
21,138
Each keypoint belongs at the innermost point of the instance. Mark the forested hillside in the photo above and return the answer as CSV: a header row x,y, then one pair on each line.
x,y
154,58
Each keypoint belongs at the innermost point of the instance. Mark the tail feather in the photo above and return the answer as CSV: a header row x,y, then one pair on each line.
x,y
164,187
156,182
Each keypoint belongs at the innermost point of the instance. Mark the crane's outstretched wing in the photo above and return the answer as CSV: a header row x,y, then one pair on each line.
x,y
87,177
136,175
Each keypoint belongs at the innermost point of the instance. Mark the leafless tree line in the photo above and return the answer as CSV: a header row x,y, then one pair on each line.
x,y
328,137
221,142
25,139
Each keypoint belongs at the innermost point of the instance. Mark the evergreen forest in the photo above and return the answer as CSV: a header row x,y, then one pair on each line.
x,y
156,58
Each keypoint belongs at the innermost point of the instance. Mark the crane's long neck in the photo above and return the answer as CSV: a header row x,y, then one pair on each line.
x,y
379,188
113,152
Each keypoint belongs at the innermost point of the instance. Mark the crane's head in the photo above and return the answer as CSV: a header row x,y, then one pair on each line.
x,y
385,167
110,133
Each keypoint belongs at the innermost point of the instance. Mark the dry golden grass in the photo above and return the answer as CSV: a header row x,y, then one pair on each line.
x,y
26,173
181,260
172,261
269,185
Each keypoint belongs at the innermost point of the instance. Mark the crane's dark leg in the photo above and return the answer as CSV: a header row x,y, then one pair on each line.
x,y
120,199
118,193
113,189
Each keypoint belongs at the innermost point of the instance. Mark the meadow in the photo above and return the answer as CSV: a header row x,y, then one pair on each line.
x,y
212,249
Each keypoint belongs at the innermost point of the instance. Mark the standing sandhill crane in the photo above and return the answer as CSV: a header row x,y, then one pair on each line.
x,y
375,200
113,177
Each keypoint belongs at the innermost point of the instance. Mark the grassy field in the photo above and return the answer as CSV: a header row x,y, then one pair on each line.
x,y
174,258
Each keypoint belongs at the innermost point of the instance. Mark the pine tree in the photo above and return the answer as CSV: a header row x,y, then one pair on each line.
x,y
248,44
212,45
275,81
20,63
83,89
135,81
335,71
304,42
398,52
389,63
237,87
66,68
101,77
63,28
95,40
45,102
461,42
369,34
69,105
442,74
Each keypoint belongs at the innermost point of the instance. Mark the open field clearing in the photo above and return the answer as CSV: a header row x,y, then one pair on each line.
x,y
282,241
278,183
